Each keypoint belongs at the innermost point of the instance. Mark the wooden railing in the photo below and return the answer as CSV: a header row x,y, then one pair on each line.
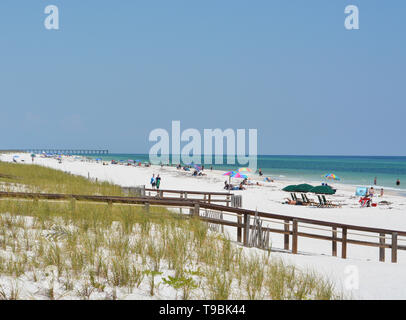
x,y
205,196
291,227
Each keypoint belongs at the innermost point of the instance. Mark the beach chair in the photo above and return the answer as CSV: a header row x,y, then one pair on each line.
x,y
306,201
321,203
310,202
329,203
365,202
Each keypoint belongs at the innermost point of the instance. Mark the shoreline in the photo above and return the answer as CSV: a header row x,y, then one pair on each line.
x,y
294,175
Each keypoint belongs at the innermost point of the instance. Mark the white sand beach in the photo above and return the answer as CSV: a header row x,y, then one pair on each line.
x,y
377,280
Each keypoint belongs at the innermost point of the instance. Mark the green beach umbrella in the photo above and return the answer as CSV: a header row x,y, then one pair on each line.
x,y
290,188
304,187
323,190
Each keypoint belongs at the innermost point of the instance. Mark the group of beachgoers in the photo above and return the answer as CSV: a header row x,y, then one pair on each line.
x,y
155,181
242,184
196,171
229,186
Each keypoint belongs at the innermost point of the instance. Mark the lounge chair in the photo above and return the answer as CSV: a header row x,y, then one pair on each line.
x,y
365,202
329,203
310,202
306,201
321,203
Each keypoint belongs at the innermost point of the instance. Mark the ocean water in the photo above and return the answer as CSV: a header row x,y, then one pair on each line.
x,y
356,170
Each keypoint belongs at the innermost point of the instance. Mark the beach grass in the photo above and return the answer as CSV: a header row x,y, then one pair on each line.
x,y
56,250
37,178
92,252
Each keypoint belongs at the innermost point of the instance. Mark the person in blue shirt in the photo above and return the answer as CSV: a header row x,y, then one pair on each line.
x,y
153,181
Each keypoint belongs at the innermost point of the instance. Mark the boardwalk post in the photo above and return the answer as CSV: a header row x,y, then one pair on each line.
x,y
286,235
294,236
239,229
196,211
394,247
382,247
334,243
344,244
209,198
246,228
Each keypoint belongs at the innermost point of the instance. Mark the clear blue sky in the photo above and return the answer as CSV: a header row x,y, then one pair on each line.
x,y
118,69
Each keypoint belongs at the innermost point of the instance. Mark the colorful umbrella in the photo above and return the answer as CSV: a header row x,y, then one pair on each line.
x,y
235,174
244,170
229,173
331,176
239,175
198,168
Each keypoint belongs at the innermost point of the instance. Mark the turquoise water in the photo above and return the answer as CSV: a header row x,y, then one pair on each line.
x,y
357,170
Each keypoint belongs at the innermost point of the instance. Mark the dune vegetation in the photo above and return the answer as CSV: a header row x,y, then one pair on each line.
x,y
76,250
37,178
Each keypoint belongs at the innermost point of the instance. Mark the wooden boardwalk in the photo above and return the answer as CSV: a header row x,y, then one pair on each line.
x,y
291,228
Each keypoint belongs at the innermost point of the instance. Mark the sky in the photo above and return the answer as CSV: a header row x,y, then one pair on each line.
x,y
116,70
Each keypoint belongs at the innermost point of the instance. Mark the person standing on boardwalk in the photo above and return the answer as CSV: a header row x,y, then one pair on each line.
x,y
153,182
158,181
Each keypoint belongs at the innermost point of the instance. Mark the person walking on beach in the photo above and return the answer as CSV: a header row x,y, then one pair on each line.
x,y
153,181
398,182
381,192
371,192
375,181
158,181
260,172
